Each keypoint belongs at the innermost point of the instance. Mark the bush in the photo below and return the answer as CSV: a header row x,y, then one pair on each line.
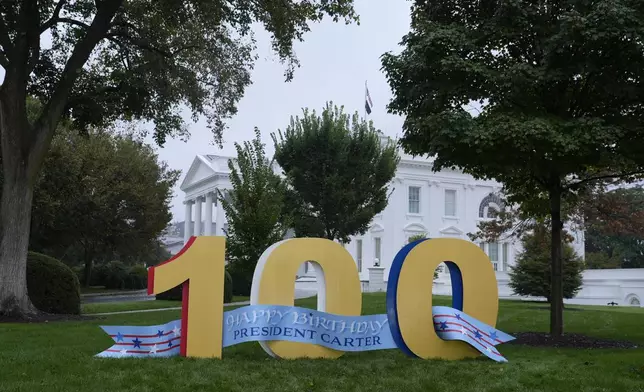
x,y
531,274
116,275
99,274
137,278
176,294
52,286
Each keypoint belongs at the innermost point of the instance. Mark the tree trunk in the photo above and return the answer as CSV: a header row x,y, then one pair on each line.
x,y
19,150
556,273
87,273
15,219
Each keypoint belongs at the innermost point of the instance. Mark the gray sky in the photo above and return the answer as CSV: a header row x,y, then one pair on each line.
x,y
335,62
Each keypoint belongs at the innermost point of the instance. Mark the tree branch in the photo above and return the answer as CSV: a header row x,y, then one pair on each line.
x,y
578,184
46,124
5,40
54,17
4,61
25,49
52,22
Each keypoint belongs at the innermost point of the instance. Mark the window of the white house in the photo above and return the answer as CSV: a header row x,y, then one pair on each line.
x,y
376,251
493,253
635,301
414,200
450,202
492,210
506,255
359,254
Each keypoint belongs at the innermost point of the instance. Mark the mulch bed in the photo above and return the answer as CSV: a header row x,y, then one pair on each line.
x,y
569,340
44,318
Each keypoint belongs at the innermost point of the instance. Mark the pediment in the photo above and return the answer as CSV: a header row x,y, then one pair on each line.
x,y
377,227
416,227
452,231
200,169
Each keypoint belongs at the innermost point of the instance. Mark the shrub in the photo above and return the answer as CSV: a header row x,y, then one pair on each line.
x,y
176,294
116,275
52,286
241,272
137,278
99,274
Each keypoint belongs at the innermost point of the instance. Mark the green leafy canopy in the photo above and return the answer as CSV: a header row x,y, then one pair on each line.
x,y
337,172
144,59
560,84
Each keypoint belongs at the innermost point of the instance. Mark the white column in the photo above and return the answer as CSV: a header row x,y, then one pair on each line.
x,y
198,216
187,230
220,216
208,230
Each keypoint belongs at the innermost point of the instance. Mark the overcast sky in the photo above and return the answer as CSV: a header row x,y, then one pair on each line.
x,y
335,62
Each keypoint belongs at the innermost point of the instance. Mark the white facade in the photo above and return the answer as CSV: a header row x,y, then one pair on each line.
x,y
444,204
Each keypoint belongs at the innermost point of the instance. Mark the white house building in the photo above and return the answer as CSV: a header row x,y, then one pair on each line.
x,y
443,204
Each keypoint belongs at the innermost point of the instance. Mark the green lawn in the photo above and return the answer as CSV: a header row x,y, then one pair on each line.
x,y
58,357
107,307
103,290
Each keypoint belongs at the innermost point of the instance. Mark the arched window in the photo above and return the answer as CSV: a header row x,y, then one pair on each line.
x,y
635,301
490,206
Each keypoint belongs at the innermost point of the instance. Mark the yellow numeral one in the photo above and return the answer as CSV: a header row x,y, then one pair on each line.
x,y
200,268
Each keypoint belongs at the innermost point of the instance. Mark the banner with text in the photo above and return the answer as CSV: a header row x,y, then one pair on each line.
x,y
290,323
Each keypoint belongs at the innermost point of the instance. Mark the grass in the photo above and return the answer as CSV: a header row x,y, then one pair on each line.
x,y
103,290
58,357
108,307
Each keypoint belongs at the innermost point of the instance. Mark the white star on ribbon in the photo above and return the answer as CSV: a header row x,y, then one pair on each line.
x,y
154,349
463,331
123,352
176,331
488,349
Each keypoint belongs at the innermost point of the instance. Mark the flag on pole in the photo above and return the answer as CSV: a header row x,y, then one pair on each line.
x,y
367,99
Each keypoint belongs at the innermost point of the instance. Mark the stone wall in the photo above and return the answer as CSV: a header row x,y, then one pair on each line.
x,y
625,287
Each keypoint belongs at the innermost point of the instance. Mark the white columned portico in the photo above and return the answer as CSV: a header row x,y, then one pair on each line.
x,y
187,229
198,216
208,229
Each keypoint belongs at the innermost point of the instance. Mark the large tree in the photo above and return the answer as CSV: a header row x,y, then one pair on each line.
x,y
337,171
100,196
255,211
560,86
614,222
129,59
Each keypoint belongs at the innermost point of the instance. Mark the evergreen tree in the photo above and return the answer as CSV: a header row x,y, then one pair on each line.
x,y
531,274
254,208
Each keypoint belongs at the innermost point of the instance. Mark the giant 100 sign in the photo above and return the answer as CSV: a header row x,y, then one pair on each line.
x,y
411,324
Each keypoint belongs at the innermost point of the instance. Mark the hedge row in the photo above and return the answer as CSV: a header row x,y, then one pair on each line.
x,y
116,275
176,294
